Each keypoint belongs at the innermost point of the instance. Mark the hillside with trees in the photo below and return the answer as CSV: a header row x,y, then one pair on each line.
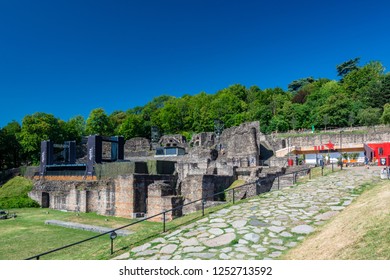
x,y
360,97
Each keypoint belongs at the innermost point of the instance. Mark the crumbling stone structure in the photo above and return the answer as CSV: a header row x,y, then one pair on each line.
x,y
174,140
161,197
203,139
240,145
123,196
195,187
143,186
136,147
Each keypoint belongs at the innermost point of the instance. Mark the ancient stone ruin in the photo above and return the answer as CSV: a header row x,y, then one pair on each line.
x,y
138,184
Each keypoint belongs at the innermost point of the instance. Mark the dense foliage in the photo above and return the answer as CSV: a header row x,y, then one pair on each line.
x,y
360,97
14,194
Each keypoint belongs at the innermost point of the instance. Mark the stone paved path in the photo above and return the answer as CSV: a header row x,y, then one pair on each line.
x,y
263,227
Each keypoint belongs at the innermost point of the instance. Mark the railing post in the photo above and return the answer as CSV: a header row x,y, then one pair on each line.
x,y
113,235
293,178
310,173
233,196
164,221
322,171
278,182
203,203
332,167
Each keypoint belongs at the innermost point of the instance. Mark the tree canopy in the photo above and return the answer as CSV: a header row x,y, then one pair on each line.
x,y
361,97
344,68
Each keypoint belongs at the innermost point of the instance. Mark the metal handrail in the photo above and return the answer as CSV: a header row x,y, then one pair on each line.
x,y
37,257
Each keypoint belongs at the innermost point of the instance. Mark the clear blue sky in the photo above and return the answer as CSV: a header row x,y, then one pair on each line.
x,y
67,57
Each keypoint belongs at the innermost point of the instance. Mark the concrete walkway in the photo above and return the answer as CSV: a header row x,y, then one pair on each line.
x,y
263,227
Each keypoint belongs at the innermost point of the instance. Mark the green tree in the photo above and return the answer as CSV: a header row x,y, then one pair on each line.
x,y
74,129
378,91
3,150
116,119
175,115
279,124
347,66
152,107
200,112
99,123
13,149
226,106
275,99
385,119
338,108
297,85
369,116
36,128
237,90
132,127
358,83
320,103
351,119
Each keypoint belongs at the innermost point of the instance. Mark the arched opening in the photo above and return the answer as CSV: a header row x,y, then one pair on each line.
x,y
45,200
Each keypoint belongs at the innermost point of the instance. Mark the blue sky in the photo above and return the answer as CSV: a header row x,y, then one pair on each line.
x,y
69,57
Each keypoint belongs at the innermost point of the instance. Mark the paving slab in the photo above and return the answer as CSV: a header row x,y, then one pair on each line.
x,y
265,226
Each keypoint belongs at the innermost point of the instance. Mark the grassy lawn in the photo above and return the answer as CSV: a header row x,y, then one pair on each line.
x,y
13,194
27,235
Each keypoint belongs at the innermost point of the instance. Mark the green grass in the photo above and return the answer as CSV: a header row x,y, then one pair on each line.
x,y
27,235
375,243
15,187
14,194
236,183
317,172
362,188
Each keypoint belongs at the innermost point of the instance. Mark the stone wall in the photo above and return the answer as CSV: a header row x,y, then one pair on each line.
x,y
121,196
174,140
195,187
241,144
124,198
203,139
259,180
137,146
140,189
83,196
347,137
161,198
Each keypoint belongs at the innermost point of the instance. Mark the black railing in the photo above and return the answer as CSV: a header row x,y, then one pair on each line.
x,y
203,200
